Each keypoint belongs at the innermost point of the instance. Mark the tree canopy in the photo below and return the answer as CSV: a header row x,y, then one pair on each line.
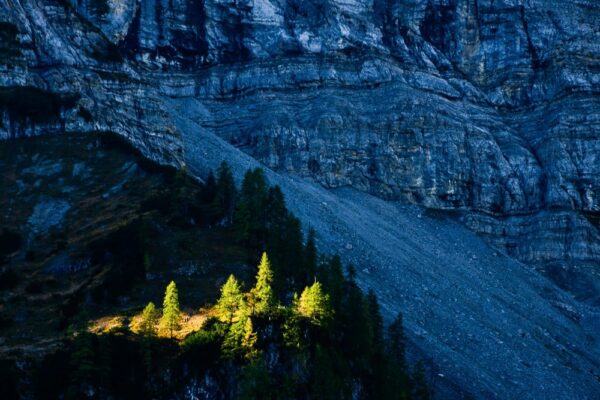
x,y
149,320
263,298
314,304
171,311
229,302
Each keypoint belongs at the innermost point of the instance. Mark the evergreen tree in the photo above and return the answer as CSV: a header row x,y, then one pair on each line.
x,y
292,329
225,193
326,376
240,338
229,302
249,339
149,320
82,366
232,343
376,321
397,342
398,383
171,312
255,382
334,279
375,381
277,210
209,190
262,293
314,304
276,241
310,256
354,320
351,271
294,253
252,209
421,389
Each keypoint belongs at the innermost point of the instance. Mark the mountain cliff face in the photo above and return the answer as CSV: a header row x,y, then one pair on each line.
x,y
488,107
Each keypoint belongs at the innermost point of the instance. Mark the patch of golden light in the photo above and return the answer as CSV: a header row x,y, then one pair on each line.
x,y
189,322
107,324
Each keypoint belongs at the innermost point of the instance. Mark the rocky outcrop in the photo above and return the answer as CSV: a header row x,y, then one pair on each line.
x,y
489,107
63,74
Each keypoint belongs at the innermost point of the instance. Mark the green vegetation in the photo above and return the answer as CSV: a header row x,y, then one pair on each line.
x,y
314,304
171,312
261,299
149,320
292,325
229,302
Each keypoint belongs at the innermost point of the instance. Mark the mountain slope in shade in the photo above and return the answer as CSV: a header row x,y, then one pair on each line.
x,y
486,107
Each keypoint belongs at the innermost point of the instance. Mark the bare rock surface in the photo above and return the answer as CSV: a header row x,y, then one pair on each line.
x,y
488,107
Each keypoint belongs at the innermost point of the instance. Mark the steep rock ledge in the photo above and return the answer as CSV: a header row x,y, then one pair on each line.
x,y
490,107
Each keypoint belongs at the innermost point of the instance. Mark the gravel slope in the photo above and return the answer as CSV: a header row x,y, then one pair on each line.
x,y
489,324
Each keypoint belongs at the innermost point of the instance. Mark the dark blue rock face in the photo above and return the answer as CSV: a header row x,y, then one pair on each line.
x,y
491,107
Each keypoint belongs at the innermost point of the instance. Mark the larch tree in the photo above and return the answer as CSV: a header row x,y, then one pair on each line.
x,y
229,302
314,304
249,340
171,311
149,320
291,328
262,293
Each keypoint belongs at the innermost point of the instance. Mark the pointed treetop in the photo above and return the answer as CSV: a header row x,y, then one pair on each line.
x,y
171,310
314,304
149,320
262,291
229,302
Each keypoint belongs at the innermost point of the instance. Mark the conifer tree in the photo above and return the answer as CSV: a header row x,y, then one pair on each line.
x,y
354,319
231,345
294,253
397,342
209,190
276,241
249,339
229,302
421,389
256,383
291,328
398,384
310,257
171,311
375,380
325,380
334,278
252,209
240,338
262,293
224,200
149,320
314,304
376,321
277,209
83,366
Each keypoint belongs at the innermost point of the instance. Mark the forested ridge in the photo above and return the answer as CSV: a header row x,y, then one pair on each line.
x,y
293,325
